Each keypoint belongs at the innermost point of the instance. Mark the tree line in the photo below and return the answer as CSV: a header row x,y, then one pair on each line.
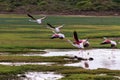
x,y
59,5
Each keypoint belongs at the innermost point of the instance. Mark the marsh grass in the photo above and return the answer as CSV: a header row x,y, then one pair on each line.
x,y
81,74
15,58
59,69
17,33
88,77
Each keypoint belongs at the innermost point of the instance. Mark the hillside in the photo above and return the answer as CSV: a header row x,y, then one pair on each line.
x,y
71,7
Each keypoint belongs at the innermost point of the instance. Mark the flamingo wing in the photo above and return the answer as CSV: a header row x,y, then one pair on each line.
x,y
60,26
75,36
43,17
31,16
50,25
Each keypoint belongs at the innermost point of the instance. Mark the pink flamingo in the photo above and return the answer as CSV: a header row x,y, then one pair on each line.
x,y
108,41
79,43
57,35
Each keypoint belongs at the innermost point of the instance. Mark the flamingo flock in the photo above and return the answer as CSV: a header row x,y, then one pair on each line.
x,y
78,43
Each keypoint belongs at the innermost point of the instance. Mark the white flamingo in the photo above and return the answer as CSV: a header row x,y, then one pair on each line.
x,y
108,41
57,35
79,43
39,21
56,29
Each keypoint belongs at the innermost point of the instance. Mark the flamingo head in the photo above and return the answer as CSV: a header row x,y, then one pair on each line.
x,y
113,46
86,45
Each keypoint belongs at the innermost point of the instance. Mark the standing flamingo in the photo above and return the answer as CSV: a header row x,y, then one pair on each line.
x,y
108,41
56,29
39,21
79,43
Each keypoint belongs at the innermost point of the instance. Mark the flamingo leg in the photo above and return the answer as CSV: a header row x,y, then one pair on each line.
x,y
113,56
81,52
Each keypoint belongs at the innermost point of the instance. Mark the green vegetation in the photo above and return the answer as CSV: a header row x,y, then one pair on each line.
x,y
8,71
88,77
18,34
11,58
58,5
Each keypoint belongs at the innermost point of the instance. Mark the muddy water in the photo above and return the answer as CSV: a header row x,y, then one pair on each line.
x,y
103,58
41,76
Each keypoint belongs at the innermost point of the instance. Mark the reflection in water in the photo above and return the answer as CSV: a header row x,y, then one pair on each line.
x,y
86,65
103,58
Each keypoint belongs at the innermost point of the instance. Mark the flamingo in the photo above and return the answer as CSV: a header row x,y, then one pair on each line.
x,y
108,41
79,43
39,21
57,35
56,29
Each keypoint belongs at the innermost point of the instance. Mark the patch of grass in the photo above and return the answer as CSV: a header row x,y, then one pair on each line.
x,y
76,74
15,58
88,77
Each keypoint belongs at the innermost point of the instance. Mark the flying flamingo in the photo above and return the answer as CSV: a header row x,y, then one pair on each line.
x,y
39,21
79,43
56,29
57,35
108,41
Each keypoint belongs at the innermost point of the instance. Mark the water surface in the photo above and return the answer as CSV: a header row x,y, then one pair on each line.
x,y
103,58
41,76
25,63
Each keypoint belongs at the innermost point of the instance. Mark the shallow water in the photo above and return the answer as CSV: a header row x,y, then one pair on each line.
x,y
41,76
25,63
103,58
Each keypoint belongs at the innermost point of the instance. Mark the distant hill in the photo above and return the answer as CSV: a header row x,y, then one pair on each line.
x,y
87,7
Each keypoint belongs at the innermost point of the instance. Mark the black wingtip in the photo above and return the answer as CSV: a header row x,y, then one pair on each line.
x,y
47,23
28,14
75,36
50,25
75,33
